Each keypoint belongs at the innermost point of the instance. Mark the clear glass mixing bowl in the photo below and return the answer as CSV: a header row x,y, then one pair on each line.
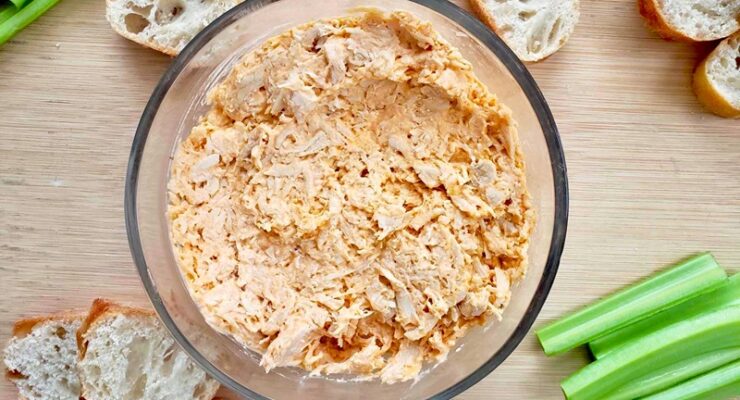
x,y
180,98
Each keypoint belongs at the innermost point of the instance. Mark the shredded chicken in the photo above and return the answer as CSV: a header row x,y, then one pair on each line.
x,y
353,202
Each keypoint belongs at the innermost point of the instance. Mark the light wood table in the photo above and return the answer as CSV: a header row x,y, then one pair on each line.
x,y
653,177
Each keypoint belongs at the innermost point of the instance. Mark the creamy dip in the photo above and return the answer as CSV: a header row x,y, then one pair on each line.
x,y
353,202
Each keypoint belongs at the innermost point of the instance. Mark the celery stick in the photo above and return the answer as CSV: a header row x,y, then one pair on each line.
x,y
715,330
673,374
22,18
687,279
725,295
19,3
7,11
721,383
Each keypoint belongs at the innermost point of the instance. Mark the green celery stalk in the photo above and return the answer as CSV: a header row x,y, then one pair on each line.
x,y
715,330
721,383
673,374
22,18
687,279
725,295
19,3
7,11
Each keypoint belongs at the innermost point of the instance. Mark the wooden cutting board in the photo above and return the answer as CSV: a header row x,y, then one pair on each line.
x,y
653,177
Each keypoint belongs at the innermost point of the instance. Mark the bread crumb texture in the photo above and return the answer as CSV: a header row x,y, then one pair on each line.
x,y
41,363
165,25
698,20
723,68
130,356
717,79
533,29
354,201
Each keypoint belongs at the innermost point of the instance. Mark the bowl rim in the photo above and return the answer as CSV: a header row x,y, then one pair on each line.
x,y
518,71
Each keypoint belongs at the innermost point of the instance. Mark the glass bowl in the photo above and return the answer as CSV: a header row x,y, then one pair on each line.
x,y
180,98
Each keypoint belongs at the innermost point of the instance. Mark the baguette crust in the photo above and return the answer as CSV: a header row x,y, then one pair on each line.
x,y
706,92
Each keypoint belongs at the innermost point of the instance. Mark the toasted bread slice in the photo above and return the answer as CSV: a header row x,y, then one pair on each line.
x,y
534,29
125,353
41,357
164,25
717,79
691,21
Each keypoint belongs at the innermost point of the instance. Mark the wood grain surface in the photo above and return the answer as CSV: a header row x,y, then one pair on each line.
x,y
653,177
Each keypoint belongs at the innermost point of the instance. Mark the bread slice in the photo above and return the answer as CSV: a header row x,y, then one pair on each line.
x,y
691,21
534,29
41,357
717,79
126,354
164,25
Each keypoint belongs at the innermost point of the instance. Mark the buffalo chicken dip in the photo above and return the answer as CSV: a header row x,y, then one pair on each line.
x,y
353,202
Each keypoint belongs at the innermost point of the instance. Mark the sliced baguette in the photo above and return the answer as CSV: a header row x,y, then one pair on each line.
x,y
717,79
41,357
691,21
126,354
164,25
534,29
